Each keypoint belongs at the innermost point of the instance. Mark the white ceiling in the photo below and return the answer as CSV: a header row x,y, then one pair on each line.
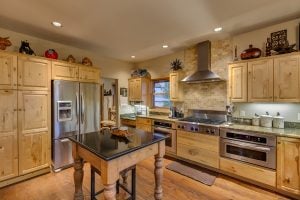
x,y
121,28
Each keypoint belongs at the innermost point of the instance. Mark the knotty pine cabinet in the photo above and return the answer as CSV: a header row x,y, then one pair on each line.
x,y
199,148
287,79
272,79
74,72
139,90
175,86
260,80
238,82
288,164
144,124
34,130
8,135
8,71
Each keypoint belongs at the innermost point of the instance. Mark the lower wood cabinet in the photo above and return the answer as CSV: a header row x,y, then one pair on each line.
x,y
199,148
288,164
143,124
34,130
128,122
249,171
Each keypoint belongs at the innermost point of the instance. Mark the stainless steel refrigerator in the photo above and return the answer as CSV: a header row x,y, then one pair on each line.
x,y
75,110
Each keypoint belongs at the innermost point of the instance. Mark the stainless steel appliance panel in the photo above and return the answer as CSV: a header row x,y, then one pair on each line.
x,y
62,153
165,128
248,152
90,107
65,108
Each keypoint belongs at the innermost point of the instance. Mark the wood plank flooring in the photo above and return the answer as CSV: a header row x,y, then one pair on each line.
x,y
59,186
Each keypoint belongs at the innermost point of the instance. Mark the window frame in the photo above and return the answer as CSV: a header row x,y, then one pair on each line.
x,y
157,80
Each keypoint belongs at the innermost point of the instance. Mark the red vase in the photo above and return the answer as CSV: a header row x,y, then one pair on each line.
x,y
51,53
250,53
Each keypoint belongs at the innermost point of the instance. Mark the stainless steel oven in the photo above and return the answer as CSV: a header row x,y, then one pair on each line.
x,y
166,128
250,147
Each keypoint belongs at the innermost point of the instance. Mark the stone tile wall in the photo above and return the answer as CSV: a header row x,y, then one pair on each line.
x,y
208,96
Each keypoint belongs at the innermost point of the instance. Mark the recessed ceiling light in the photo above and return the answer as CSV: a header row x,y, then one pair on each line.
x,y
165,46
132,56
56,24
218,29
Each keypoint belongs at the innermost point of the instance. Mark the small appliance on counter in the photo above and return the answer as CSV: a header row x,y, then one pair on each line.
x,y
266,120
278,121
175,113
256,120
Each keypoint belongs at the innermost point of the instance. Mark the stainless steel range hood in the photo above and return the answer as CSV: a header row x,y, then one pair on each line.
x,y
203,73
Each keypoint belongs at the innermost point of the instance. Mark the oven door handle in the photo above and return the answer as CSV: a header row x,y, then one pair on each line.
x,y
165,130
249,146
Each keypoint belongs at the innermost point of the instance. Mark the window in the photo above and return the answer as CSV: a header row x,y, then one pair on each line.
x,y
161,94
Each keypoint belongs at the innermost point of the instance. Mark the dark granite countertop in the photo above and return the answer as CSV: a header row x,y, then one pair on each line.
x,y
108,146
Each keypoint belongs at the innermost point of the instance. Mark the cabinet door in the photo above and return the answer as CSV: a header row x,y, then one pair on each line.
x,y
174,87
144,127
286,79
33,73
131,90
34,133
238,82
288,164
8,71
8,134
89,74
64,71
138,89
260,80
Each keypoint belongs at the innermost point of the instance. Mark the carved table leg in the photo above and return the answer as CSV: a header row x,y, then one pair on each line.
x,y
110,191
124,177
78,177
158,171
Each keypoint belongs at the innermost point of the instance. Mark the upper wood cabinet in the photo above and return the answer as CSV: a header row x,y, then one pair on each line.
x,y
288,164
175,86
8,71
139,90
89,74
260,80
64,71
8,135
34,137
286,79
238,82
34,73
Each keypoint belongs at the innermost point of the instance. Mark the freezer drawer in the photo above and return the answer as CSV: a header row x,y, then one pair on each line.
x,y
61,154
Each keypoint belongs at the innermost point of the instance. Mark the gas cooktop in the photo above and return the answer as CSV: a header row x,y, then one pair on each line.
x,y
203,120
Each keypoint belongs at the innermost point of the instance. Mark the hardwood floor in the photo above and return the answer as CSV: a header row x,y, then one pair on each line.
x,y
59,186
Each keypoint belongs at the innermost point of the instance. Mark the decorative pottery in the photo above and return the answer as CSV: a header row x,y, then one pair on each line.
x,y
71,59
86,61
4,42
278,121
251,53
51,53
25,48
266,120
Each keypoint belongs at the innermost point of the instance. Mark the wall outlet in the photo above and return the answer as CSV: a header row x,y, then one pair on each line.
x,y
243,113
298,116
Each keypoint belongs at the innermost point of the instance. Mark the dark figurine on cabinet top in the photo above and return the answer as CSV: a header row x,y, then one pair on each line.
x,y
251,53
25,48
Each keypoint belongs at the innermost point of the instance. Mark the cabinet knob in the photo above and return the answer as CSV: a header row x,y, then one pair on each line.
x,y
287,180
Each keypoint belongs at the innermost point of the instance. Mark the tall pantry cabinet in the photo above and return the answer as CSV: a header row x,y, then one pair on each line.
x,y
25,85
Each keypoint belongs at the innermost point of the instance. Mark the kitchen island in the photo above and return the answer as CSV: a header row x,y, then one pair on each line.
x,y
111,155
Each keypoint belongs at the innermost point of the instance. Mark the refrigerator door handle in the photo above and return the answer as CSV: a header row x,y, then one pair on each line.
x,y
77,105
82,108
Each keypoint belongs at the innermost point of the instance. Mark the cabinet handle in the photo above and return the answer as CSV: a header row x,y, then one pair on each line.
x,y
193,152
287,180
1,148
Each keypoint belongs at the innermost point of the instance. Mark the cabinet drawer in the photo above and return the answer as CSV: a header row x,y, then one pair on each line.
x,y
198,155
128,122
248,171
64,71
145,121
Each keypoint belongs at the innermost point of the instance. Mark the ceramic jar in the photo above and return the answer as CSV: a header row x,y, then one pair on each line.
x,y
278,121
255,120
266,120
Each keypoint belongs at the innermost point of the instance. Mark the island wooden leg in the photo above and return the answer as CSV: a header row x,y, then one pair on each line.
x,y
110,191
158,171
78,177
